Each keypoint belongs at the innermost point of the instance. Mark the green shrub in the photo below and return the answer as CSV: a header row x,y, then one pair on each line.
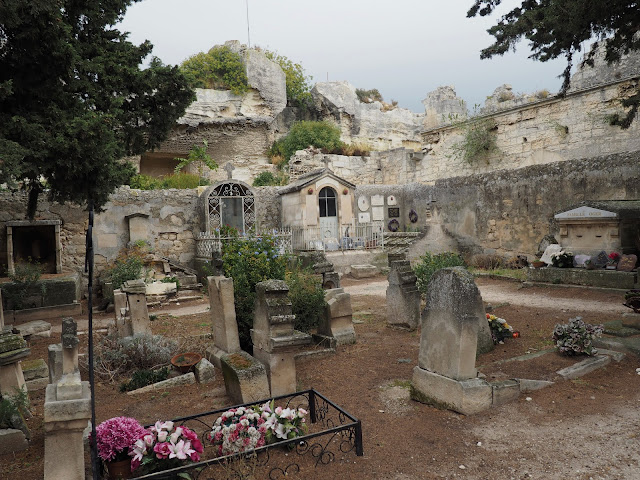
x,y
178,180
218,68
183,181
576,337
305,134
266,179
142,378
119,356
478,142
145,182
250,260
307,298
430,264
25,276
298,86
127,266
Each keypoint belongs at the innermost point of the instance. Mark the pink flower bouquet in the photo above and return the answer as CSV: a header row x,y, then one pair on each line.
x,y
116,436
238,430
164,446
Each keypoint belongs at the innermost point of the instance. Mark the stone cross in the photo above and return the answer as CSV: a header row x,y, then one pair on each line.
x,y
325,160
69,346
229,168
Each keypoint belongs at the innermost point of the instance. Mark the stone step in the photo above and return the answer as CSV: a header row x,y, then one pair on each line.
x,y
587,365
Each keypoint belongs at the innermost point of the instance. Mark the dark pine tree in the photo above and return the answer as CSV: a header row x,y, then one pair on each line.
x,y
74,100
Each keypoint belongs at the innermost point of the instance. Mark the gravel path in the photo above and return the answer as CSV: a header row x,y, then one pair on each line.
x,y
512,293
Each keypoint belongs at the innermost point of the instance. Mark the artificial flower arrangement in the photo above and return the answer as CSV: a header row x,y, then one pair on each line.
x,y
500,329
562,259
614,258
165,445
576,337
114,438
245,428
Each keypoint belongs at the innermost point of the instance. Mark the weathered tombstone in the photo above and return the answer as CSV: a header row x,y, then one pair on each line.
x,y
223,319
337,321
403,296
137,300
13,348
317,261
216,264
121,311
275,342
627,263
245,378
446,375
396,256
67,409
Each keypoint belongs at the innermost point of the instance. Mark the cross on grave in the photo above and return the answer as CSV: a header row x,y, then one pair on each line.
x,y
325,160
229,168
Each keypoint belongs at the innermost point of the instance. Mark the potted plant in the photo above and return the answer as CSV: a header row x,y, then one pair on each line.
x,y
562,259
538,263
164,446
115,438
612,262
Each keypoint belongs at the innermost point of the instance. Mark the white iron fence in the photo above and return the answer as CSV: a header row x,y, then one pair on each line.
x,y
207,243
362,236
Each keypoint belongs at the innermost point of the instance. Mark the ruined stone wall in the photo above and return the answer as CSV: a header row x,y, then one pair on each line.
x,y
508,212
540,132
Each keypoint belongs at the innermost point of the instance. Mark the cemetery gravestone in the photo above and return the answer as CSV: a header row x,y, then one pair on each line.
x,y
403,296
223,319
446,374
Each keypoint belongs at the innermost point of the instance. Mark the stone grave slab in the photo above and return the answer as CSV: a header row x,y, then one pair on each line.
x,y
36,328
363,271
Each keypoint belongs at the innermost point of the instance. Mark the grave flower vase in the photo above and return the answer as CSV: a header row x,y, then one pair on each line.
x,y
119,469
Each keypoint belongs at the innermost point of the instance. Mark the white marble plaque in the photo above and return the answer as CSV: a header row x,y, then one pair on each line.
x,y
585,212
392,200
377,200
363,204
364,217
378,213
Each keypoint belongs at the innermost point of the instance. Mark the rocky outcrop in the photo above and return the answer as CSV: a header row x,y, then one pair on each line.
x,y
442,106
266,98
366,122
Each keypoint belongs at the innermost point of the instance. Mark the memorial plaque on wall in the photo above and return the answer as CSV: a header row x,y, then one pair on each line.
x,y
394,212
377,200
392,200
377,213
364,217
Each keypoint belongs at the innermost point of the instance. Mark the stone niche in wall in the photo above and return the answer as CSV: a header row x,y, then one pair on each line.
x,y
37,241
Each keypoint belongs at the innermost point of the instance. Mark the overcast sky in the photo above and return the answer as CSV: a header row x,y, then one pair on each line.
x,y
404,48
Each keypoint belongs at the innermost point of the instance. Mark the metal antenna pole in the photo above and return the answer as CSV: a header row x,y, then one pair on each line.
x,y
88,268
248,32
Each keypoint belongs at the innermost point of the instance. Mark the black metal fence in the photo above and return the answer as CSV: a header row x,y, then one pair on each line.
x,y
331,431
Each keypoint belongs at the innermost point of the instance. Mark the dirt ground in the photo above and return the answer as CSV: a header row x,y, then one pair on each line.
x,y
582,429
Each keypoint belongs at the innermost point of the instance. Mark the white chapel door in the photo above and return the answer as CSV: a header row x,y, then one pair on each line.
x,y
328,213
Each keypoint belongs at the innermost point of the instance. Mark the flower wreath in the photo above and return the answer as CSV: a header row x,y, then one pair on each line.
x,y
393,225
413,216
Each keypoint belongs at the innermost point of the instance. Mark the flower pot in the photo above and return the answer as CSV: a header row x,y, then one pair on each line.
x,y
538,264
185,361
119,469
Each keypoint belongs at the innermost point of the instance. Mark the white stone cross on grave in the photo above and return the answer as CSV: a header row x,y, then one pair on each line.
x,y
229,168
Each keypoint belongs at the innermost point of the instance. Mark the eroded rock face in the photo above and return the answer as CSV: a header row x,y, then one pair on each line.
x,y
442,106
366,122
266,98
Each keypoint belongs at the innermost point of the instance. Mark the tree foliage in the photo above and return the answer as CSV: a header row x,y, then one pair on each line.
x,y
220,67
557,28
74,101
298,83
